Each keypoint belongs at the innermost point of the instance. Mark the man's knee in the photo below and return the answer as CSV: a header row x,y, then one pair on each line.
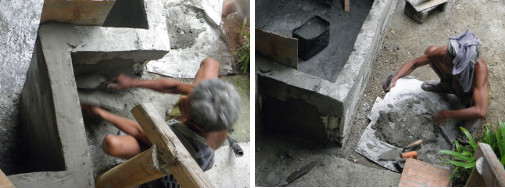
x,y
209,62
430,49
110,145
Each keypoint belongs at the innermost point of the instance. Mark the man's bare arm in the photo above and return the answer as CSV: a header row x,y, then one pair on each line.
x,y
480,98
410,66
160,85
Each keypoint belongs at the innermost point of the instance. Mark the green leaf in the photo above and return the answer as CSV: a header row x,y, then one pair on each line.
x,y
470,139
458,147
467,153
458,156
461,164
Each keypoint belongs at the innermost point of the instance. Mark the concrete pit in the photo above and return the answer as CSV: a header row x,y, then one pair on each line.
x,y
319,97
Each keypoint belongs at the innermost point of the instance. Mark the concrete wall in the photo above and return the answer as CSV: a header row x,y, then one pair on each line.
x,y
55,137
335,101
42,143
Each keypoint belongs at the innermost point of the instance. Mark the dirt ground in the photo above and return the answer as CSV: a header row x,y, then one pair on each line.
x,y
405,40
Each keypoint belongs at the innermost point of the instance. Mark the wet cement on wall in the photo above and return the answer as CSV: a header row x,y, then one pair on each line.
x,y
344,28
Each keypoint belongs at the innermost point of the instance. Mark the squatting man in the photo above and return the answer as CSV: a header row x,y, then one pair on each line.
x,y
208,108
461,71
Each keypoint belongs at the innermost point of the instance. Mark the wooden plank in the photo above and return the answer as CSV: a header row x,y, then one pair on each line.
x,y
140,169
347,6
4,181
172,154
77,12
281,49
422,5
488,168
420,174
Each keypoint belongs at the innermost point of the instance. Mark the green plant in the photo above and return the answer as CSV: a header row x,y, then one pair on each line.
x,y
244,51
462,158
496,141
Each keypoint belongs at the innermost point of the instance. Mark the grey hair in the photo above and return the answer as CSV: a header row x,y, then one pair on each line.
x,y
215,105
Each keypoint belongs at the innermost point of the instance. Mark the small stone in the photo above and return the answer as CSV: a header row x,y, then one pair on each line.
x,y
390,105
301,159
397,48
202,20
393,31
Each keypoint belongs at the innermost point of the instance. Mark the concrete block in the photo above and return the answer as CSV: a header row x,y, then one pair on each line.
x,y
334,102
419,11
79,12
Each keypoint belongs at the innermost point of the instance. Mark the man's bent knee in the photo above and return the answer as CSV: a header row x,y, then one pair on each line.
x,y
430,49
110,145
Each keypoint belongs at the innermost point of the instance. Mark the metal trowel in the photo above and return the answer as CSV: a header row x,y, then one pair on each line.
x,y
92,81
296,174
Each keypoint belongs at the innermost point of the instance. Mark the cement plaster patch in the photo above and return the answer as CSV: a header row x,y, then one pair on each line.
x,y
196,38
409,102
19,21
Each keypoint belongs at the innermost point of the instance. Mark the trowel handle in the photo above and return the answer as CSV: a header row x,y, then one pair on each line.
x,y
409,154
415,143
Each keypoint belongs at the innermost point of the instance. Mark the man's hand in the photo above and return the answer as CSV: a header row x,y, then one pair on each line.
x,y
389,82
121,82
440,117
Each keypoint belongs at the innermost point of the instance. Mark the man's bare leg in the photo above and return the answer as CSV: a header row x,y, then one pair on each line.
x,y
123,146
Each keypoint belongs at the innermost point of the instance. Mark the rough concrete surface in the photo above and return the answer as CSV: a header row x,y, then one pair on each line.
x,y
193,37
278,157
19,21
231,171
405,40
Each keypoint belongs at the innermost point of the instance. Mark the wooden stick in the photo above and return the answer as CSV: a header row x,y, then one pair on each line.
x,y
487,168
347,6
140,169
4,181
173,155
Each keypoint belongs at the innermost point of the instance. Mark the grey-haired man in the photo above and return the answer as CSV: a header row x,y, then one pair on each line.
x,y
461,72
209,107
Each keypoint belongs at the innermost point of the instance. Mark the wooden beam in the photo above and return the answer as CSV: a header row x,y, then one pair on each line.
x,y
347,6
487,168
173,156
4,181
140,169
77,12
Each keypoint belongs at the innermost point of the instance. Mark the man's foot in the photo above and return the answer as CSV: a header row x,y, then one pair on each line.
x,y
434,86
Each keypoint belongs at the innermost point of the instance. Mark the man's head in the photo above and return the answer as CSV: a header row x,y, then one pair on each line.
x,y
464,49
214,105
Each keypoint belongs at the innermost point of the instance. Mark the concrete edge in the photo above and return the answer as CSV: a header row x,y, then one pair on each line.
x,y
154,38
56,40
